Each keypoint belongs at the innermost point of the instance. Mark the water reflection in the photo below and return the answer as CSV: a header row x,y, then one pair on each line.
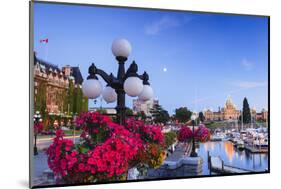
x,y
229,149
231,156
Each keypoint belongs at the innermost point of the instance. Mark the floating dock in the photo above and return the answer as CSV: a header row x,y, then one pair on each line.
x,y
256,149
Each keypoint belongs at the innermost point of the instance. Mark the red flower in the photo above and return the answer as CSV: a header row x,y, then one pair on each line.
x,y
38,128
91,161
105,151
202,133
184,134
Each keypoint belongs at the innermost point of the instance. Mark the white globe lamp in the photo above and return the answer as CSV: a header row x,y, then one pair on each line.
x,y
109,94
92,88
133,86
121,48
147,93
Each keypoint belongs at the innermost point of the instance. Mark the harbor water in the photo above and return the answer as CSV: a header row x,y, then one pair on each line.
x,y
232,156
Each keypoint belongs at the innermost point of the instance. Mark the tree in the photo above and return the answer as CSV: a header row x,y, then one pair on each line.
x,y
183,114
40,102
141,115
159,115
129,112
246,111
71,97
163,117
201,117
76,101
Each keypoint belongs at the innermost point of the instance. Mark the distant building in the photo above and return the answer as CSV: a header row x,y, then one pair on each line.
x,y
108,110
58,91
262,116
230,112
144,106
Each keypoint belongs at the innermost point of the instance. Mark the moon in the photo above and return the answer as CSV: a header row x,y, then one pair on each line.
x,y
165,69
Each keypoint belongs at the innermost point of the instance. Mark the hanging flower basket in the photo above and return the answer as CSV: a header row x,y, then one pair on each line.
x,y
201,134
106,150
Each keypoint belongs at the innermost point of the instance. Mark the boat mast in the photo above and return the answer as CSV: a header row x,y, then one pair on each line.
x,y
251,121
242,120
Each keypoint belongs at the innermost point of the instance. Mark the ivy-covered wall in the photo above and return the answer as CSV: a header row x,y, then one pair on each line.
x,y
70,101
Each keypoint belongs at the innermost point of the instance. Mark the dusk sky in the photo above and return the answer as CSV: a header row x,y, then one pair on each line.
x,y
193,59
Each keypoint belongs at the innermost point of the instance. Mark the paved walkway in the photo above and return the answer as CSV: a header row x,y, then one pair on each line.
x,y
178,153
40,163
44,143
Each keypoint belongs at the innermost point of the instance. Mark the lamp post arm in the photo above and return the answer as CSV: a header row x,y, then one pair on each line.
x,y
107,78
93,70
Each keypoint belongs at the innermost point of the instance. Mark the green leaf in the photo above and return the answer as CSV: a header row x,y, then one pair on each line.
x,y
83,149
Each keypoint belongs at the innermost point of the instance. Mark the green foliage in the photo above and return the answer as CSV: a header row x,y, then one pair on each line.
x,y
71,97
82,148
40,102
77,102
159,115
141,115
183,114
214,124
70,101
201,117
246,111
102,111
170,138
129,112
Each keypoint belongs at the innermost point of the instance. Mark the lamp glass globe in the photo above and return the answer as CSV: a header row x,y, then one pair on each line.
x,y
133,86
109,94
147,93
92,88
121,47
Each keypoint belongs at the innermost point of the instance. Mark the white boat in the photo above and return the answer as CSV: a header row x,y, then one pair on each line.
x,y
218,135
240,144
257,142
235,136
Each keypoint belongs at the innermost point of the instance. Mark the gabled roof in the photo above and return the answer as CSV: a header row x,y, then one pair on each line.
x,y
77,75
47,67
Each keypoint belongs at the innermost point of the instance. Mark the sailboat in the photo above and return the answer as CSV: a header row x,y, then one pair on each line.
x,y
239,138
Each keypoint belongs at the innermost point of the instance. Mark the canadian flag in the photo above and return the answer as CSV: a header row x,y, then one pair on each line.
x,y
44,40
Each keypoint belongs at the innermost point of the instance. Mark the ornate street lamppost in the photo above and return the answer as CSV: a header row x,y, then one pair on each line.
x,y
193,118
37,119
128,82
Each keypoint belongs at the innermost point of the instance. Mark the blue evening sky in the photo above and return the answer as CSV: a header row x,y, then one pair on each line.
x,y
206,56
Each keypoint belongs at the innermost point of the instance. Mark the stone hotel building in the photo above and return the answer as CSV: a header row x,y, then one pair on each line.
x,y
58,91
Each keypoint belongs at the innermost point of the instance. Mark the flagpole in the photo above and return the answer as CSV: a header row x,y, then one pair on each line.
x,y
46,52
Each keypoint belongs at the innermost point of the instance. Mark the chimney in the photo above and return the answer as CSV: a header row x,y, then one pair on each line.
x,y
66,70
